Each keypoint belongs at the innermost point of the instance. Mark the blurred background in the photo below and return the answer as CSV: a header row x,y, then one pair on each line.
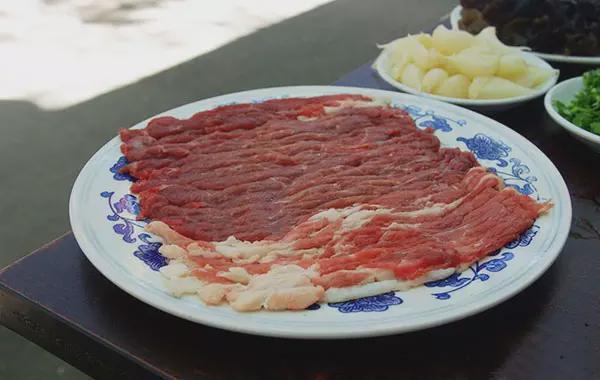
x,y
92,47
75,71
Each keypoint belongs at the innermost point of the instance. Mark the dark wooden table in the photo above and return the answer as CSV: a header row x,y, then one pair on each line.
x,y
55,298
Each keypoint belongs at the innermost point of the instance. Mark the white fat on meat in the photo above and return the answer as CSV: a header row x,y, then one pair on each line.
x,y
441,208
249,260
195,249
174,269
359,218
306,118
237,274
178,286
332,214
284,287
359,291
172,251
239,249
214,294
179,283
274,255
382,286
246,252
354,104
353,217
380,274
435,209
395,225
169,235
344,104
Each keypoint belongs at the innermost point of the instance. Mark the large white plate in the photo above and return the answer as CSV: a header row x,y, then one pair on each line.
x,y
102,218
455,17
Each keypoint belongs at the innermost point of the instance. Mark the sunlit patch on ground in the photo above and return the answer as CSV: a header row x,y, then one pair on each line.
x,y
57,53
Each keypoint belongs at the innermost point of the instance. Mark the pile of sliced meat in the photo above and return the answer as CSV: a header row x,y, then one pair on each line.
x,y
289,202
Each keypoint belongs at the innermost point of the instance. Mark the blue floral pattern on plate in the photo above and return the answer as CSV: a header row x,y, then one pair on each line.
x,y
126,227
518,178
115,169
484,147
525,239
149,254
457,281
378,303
430,119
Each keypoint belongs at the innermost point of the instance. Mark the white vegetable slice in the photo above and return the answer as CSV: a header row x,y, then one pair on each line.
x,y
488,37
436,59
418,53
456,86
449,41
412,76
495,88
511,66
425,39
540,75
473,64
434,79
398,61
534,76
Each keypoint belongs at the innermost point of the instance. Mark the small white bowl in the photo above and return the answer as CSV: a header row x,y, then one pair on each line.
x,y
383,67
565,91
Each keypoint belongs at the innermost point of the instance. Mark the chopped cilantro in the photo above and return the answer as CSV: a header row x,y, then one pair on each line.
x,y
584,109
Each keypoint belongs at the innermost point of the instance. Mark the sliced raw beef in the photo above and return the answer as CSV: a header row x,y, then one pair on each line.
x,y
288,202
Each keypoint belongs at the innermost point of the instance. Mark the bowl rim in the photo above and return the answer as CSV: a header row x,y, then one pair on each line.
x,y
378,65
566,124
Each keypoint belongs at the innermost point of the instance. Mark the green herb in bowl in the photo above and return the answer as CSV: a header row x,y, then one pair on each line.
x,y
584,109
